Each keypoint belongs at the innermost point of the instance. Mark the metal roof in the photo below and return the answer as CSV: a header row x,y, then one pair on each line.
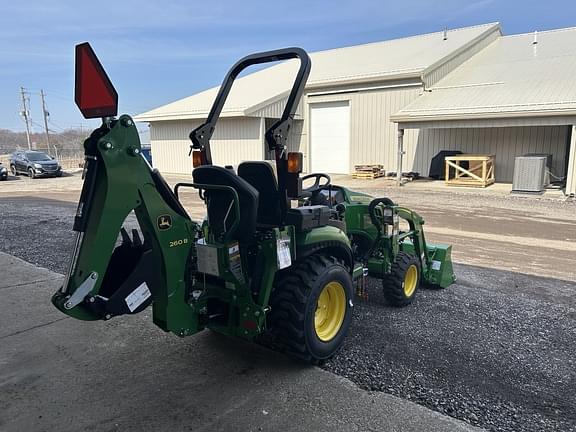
x,y
394,59
512,77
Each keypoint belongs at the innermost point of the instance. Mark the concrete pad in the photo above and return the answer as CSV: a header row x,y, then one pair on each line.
x,y
57,373
15,272
24,289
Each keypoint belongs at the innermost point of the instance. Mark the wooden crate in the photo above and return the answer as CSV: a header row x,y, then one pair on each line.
x,y
480,172
366,171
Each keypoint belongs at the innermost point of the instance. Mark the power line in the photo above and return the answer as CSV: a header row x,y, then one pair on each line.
x,y
55,124
128,108
61,129
53,131
33,123
58,96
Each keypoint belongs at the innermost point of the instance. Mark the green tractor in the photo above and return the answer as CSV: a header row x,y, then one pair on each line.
x,y
254,268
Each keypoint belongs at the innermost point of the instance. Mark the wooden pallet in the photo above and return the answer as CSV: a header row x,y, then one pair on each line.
x,y
368,171
369,175
480,172
368,168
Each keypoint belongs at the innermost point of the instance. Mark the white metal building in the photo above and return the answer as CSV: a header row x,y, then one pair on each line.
x,y
344,115
424,83
516,96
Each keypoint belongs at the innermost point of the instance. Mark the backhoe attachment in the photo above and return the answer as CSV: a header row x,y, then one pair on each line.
x,y
111,272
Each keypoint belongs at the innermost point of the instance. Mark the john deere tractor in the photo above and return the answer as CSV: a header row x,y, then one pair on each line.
x,y
254,266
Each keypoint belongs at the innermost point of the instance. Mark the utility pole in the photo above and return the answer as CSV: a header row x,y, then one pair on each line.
x,y
26,114
45,114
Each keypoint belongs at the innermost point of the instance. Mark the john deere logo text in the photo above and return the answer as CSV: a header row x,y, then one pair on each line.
x,y
164,222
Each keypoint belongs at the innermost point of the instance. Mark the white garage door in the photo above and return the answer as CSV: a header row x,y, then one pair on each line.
x,y
330,137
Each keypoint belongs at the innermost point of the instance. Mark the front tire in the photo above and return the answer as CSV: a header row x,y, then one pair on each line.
x,y
311,309
400,286
31,173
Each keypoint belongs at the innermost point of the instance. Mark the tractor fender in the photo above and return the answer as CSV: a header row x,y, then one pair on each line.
x,y
328,240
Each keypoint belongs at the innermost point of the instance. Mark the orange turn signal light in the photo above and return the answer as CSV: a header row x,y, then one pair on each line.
x,y
294,162
198,158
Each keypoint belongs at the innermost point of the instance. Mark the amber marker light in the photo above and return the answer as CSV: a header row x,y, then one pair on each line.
x,y
198,158
294,163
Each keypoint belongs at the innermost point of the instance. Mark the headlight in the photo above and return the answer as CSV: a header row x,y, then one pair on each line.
x,y
37,166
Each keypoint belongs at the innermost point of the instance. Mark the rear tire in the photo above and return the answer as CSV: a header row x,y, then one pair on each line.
x,y
311,309
13,170
31,173
400,286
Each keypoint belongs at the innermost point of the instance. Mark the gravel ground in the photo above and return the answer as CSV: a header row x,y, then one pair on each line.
x,y
486,350
38,231
496,349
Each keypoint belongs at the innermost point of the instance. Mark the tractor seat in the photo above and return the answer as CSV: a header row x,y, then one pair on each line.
x,y
262,177
219,203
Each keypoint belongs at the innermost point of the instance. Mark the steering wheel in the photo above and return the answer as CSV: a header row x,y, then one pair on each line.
x,y
316,185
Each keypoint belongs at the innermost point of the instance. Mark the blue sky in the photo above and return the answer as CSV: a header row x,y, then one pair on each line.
x,y
159,51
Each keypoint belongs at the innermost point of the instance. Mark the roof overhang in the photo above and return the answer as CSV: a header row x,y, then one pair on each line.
x,y
540,118
189,115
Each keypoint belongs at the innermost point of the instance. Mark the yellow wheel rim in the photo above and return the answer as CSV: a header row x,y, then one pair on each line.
x,y
410,280
330,311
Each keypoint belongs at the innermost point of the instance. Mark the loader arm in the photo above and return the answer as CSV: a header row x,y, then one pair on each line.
x,y
107,279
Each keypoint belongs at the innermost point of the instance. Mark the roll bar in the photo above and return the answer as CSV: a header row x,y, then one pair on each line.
x,y
277,135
